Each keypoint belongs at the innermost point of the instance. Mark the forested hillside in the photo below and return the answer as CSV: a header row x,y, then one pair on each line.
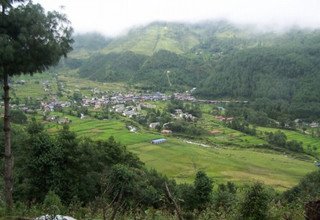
x,y
223,61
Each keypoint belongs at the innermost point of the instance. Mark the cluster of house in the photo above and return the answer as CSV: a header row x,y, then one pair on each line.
x,y
224,119
120,98
220,101
184,96
57,119
46,85
21,107
54,105
312,124
154,125
127,111
179,114
132,128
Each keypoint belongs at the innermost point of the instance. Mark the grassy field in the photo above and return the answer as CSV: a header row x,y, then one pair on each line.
x,y
103,129
181,161
227,136
33,86
85,85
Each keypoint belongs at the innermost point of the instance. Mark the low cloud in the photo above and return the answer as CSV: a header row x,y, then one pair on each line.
x,y
113,17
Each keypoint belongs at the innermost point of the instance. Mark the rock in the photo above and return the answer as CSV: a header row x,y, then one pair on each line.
x,y
57,217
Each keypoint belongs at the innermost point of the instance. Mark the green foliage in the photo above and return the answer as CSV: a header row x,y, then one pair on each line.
x,y
202,189
242,126
112,67
187,128
68,166
24,46
156,36
225,198
308,189
18,117
40,159
52,204
121,178
77,96
253,114
294,146
255,204
280,74
277,139
193,108
186,194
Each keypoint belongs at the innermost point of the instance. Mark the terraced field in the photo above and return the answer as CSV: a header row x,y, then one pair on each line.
x,y
181,161
103,129
294,135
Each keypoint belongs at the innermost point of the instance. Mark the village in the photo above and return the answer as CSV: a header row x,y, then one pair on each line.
x,y
126,103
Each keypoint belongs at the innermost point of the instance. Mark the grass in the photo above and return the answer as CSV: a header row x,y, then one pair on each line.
x,y
181,161
103,129
227,136
155,38
33,85
85,85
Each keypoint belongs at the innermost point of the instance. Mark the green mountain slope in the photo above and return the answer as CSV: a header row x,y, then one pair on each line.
x,y
154,37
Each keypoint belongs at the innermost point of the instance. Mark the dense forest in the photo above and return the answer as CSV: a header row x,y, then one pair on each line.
x,y
225,62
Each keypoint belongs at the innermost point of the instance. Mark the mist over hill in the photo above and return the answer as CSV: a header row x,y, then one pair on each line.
x,y
220,59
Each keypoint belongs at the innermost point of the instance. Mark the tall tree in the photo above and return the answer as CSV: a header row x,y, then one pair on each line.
x,y
202,189
31,40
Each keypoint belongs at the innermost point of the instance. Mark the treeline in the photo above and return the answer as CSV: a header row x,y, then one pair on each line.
x,y
279,139
276,140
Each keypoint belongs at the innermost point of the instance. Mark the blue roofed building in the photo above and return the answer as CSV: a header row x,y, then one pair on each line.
x,y
158,141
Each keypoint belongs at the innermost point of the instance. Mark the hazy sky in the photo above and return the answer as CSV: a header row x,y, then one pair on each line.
x,y
112,17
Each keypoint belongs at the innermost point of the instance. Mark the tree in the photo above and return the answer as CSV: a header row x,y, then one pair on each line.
x,y
256,203
122,181
277,139
202,189
18,117
40,155
225,197
30,41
